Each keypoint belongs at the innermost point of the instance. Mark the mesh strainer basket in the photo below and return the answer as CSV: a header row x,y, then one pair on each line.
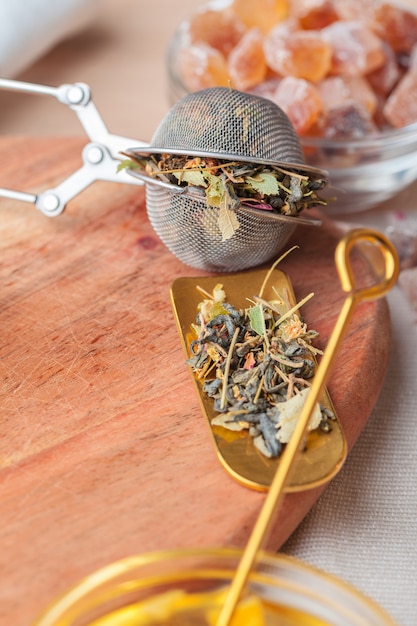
x,y
223,123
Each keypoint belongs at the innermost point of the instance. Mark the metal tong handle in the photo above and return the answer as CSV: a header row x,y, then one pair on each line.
x,y
276,491
100,157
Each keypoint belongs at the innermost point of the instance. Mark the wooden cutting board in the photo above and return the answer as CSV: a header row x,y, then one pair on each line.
x,y
104,452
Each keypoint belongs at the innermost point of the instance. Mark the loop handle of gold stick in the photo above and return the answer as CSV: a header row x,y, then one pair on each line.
x,y
276,491
357,237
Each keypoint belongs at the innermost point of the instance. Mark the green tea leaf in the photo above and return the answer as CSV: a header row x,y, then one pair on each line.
x,y
227,222
257,320
127,164
192,177
265,183
215,190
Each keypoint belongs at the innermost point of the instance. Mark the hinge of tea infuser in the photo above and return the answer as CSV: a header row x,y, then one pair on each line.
x,y
100,157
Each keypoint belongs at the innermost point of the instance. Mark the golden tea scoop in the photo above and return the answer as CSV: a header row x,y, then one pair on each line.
x,y
355,295
325,451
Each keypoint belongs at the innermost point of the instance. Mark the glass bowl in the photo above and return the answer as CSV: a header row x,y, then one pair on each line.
x,y
291,592
363,172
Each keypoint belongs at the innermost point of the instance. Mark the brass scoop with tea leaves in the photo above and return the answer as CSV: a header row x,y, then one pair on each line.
x,y
252,369
325,449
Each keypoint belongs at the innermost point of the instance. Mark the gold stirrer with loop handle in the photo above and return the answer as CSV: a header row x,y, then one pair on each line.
x,y
276,492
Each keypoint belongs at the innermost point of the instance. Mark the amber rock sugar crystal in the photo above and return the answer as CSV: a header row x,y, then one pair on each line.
x,y
352,60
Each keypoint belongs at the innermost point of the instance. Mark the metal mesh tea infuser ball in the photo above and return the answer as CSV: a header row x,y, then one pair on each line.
x,y
217,123
227,124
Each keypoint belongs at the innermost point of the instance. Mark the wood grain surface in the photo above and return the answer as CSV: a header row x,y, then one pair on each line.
x,y
103,449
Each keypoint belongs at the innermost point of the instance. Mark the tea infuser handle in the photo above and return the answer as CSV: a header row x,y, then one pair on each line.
x,y
100,157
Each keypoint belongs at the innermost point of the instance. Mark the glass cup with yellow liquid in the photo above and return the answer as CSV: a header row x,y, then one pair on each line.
x,y
188,587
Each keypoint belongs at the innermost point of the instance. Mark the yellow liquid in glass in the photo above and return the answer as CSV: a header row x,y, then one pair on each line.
x,y
177,608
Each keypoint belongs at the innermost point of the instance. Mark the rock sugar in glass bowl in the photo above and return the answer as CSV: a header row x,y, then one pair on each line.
x,y
344,71
186,587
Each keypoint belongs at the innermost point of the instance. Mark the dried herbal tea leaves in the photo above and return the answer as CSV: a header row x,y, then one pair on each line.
x,y
229,185
257,365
